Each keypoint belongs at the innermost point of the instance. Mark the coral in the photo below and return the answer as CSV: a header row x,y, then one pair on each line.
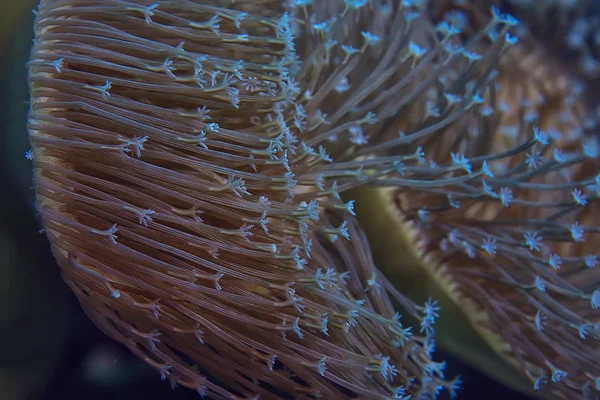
x,y
189,160
508,224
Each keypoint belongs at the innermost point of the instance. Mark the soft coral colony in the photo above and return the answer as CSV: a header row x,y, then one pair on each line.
x,y
184,183
189,160
515,248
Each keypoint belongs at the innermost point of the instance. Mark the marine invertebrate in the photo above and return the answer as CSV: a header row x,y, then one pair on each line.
x,y
510,232
182,180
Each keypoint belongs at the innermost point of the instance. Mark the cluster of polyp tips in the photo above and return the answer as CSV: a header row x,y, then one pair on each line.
x,y
184,183
515,227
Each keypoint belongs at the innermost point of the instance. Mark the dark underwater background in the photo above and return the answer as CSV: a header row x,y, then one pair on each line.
x,y
48,347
